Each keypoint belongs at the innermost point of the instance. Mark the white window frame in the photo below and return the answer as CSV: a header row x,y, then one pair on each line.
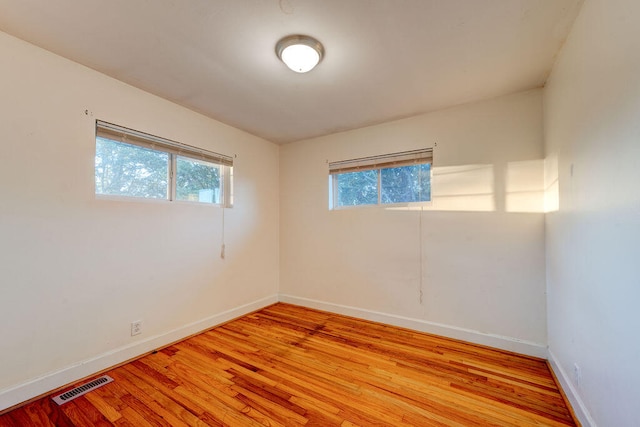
x,y
174,149
377,163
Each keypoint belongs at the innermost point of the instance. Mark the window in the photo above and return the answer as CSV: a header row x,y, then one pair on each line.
x,y
197,180
134,164
388,179
129,170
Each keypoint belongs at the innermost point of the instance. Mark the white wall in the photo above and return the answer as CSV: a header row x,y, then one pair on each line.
x,y
592,134
482,239
76,270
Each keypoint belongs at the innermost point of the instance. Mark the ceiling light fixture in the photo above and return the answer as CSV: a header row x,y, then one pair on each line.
x,y
300,53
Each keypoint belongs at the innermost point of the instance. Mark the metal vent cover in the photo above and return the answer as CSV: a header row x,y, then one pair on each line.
x,y
68,396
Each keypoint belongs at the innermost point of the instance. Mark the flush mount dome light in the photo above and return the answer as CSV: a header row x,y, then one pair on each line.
x,y
300,53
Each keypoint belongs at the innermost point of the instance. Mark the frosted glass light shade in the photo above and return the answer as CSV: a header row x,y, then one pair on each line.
x,y
300,53
300,58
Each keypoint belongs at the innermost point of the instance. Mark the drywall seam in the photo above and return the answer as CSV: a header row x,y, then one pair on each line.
x,y
579,408
497,341
53,380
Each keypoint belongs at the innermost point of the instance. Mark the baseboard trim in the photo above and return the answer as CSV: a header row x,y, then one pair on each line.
x,y
579,408
54,380
491,340
47,383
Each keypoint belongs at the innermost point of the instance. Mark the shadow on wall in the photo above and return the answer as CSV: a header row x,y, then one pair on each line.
x,y
529,186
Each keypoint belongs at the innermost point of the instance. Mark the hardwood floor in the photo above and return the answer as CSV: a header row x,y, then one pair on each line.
x,y
287,365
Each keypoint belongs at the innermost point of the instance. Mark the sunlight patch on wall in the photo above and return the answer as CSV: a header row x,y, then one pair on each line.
x,y
524,186
551,184
479,188
463,188
466,188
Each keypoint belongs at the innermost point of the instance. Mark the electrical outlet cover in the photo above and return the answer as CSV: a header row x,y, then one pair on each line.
x,y
136,327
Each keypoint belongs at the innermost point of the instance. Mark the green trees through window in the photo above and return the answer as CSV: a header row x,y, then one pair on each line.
x,y
128,170
406,184
357,188
395,178
197,181
133,164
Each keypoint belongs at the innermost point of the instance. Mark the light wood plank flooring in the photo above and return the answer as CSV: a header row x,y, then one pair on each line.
x,y
286,366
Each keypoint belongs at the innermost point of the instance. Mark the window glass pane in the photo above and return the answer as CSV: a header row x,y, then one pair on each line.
x,y
197,181
406,184
128,170
357,188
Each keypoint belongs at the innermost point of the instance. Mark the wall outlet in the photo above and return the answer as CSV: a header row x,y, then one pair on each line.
x,y
577,374
136,327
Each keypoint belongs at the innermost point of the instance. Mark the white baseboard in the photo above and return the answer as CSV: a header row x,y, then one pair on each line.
x,y
53,380
491,340
579,408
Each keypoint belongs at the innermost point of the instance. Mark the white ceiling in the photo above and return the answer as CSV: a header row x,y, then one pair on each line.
x,y
385,59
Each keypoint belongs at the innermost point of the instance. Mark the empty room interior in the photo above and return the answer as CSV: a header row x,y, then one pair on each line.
x,y
454,179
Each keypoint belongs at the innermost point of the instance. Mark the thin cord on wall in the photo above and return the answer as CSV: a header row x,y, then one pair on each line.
x,y
227,200
420,231
420,239
421,260
222,248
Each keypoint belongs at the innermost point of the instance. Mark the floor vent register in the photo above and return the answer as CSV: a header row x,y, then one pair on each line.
x,y
68,396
